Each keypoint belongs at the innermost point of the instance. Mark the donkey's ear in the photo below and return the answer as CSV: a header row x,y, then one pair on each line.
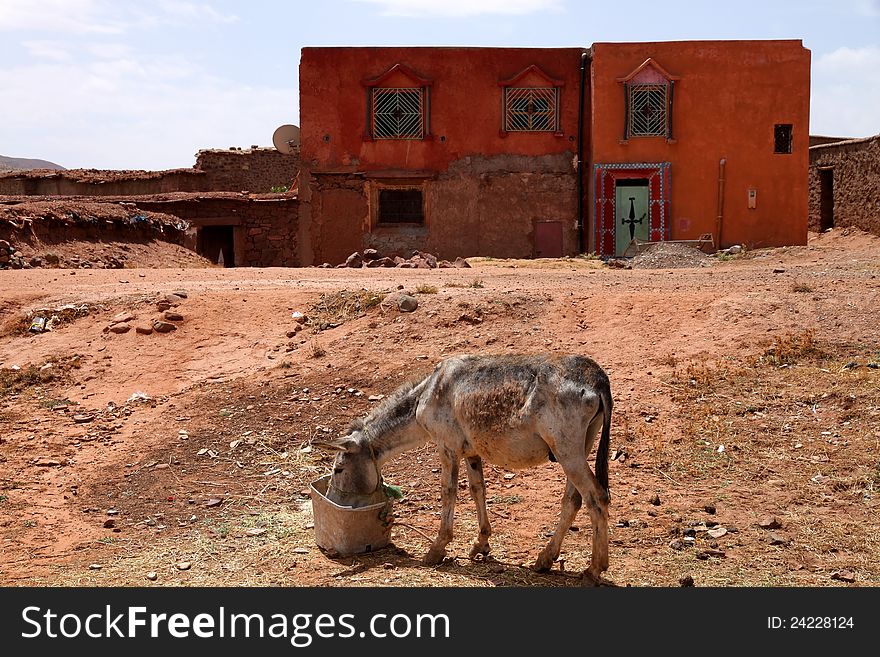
x,y
332,445
338,445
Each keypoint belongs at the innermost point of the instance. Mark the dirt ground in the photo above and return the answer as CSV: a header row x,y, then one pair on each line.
x,y
745,392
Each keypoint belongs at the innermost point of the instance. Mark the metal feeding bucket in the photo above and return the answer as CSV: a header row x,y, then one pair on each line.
x,y
346,530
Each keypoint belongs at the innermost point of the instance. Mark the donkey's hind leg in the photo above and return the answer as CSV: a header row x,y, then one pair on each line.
x,y
477,487
571,503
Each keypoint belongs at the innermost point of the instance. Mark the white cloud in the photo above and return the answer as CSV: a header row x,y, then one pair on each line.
x,y
131,113
461,8
846,93
192,12
79,17
52,50
65,16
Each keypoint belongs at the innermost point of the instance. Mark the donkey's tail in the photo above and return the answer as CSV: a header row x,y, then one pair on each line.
x,y
605,441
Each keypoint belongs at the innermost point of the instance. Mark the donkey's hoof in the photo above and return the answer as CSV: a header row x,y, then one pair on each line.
x,y
543,564
479,550
434,557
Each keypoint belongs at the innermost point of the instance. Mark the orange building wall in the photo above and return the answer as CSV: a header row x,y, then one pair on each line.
x,y
465,101
729,96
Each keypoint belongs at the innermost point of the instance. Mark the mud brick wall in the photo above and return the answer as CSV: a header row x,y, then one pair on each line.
x,y
856,166
87,182
255,170
479,206
266,230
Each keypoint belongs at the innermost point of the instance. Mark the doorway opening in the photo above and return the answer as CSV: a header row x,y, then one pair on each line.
x,y
826,199
217,243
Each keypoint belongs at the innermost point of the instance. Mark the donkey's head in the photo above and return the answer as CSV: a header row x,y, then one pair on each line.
x,y
355,470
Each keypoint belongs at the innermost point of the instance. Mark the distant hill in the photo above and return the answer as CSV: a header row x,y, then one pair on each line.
x,y
7,163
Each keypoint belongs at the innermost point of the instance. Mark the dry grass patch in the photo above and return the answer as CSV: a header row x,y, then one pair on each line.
x,y
14,381
332,310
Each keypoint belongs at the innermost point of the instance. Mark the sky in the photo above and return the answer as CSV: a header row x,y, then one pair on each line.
x,y
145,84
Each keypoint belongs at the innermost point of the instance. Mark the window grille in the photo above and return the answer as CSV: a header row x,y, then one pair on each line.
x,y
782,138
648,110
532,109
401,206
398,113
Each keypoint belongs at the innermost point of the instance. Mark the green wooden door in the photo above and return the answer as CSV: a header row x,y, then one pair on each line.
x,y
631,208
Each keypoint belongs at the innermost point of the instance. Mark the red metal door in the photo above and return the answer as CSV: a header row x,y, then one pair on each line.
x,y
548,239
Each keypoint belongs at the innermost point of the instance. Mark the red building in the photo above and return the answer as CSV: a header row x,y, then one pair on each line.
x,y
513,152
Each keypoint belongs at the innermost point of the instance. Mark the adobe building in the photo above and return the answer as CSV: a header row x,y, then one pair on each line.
x,y
845,184
543,152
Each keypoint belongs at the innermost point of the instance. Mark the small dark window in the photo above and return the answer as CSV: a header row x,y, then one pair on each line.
x,y
401,206
782,138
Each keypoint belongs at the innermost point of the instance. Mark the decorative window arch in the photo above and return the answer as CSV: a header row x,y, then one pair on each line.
x,y
530,102
648,99
398,105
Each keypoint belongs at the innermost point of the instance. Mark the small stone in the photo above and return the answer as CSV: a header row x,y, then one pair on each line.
x,y
354,261
95,566
172,316
143,329
300,550
163,305
709,508
461,263
214,501
173,299
180,293
677,544
717,532
256,531
184,565
655,499
844,576
163,327
82,418
769,522
686,581
120,328
407,303
779,270
152,576
110,523
778,539
122,317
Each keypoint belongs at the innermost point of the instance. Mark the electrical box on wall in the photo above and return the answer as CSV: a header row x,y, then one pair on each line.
x,y
753,199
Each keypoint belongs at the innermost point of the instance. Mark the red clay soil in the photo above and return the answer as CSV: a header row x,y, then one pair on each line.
x,y
132,453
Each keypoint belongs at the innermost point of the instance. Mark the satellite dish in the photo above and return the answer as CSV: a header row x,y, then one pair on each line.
x,y
286,138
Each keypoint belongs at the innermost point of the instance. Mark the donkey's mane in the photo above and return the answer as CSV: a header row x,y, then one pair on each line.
x,y
399,408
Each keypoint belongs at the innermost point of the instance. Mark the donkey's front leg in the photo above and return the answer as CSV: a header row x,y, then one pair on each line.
x,y
449,488
478,492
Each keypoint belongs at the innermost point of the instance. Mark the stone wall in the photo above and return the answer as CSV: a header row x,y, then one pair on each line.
x,y
479,206
256,170
266,228
856,183
93,182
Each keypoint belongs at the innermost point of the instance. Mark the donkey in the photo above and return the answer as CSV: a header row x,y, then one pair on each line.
x,y
515,411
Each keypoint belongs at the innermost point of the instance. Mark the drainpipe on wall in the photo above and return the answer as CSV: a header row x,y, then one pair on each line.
x,y
721,164
580,156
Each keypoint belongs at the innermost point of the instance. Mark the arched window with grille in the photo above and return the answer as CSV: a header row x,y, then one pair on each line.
x,y
648,101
